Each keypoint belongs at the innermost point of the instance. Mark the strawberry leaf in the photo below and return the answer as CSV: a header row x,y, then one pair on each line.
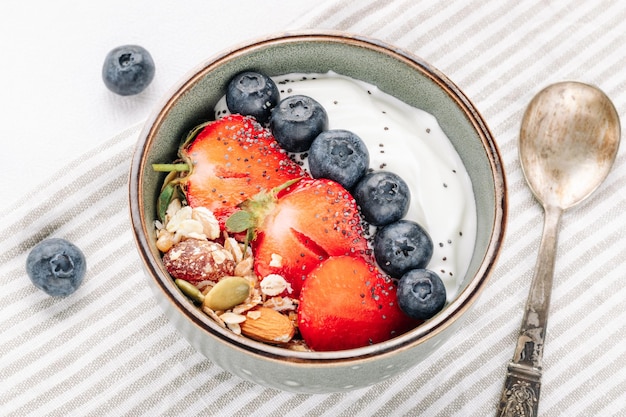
x,y
165,197
240,221
254,210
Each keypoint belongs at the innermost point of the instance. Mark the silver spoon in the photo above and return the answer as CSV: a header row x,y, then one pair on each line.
x,y
568,142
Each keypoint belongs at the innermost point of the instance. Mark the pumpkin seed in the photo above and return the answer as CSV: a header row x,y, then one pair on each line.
x,y
189,290
227,293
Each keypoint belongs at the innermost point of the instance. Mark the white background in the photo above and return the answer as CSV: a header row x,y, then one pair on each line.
x,y
54,104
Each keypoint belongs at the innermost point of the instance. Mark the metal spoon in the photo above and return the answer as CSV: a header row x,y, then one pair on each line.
x,y
568,142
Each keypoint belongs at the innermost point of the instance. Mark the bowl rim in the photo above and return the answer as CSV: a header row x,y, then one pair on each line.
x,y
452,312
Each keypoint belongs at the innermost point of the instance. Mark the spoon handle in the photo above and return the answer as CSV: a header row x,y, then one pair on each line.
x,y
520,395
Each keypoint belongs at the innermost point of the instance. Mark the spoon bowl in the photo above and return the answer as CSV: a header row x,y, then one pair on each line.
x,y
568,142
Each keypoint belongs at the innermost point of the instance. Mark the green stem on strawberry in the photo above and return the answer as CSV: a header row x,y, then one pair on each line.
x,y
169,190
171,185
182,167
254,210
186,165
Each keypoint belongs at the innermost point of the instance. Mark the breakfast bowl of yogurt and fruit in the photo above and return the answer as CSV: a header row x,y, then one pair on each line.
x,y
316,212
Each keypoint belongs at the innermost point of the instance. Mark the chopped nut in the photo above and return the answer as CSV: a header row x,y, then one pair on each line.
x,y
244,268
242,308
254,314
251,302
205,285
232,318
281,303
270,327
214,316
166,240
276,261
298,345
234,327
231,245
197,260
172,208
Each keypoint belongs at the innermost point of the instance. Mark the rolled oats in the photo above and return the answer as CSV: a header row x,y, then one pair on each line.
x,y
232,318
210,225
274,284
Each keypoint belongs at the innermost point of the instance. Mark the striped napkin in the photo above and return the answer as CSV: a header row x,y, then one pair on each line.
x,y
108,349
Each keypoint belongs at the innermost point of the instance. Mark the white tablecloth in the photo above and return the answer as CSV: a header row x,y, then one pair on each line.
x,y
108,349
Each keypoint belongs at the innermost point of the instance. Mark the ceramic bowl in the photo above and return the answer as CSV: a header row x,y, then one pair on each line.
x,y
396,72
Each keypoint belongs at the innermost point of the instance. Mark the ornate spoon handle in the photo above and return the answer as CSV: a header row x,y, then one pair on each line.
x,y
520,395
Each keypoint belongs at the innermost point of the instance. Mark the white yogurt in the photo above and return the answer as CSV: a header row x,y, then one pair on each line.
x,y
409,142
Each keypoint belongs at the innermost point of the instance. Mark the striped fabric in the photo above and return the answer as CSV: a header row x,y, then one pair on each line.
x,y
108,349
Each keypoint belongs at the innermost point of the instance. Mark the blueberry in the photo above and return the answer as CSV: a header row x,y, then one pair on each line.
x,y
56,266
421,294
339,155
252,94
128,70
296,121
402,246
383,197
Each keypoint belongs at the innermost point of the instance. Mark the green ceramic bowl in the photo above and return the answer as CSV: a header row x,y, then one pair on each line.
x,y
393,71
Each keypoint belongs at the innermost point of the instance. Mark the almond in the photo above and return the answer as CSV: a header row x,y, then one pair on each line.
x,y
269,326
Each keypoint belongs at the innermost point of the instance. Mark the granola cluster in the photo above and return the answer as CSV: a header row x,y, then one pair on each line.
x,y
201,259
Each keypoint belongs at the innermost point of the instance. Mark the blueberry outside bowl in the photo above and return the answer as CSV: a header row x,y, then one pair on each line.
x,y
393,71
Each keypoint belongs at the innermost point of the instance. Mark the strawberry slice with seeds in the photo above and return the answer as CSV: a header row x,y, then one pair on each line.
x,y
232,160
346,302
298,225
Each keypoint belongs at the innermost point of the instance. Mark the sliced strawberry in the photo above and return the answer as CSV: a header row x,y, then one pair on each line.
x,y
311,221
347,303
233,159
